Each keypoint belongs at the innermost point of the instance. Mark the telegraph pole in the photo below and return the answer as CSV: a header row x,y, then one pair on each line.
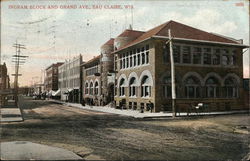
x,y
18,59
172,72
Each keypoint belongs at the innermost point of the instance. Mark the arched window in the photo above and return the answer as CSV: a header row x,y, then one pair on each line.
x,y
86,88
192,87
231,90
132,87
122,87
96,88
91,88
167,87
212,87
145,87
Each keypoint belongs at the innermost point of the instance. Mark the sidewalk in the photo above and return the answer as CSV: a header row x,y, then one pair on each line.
x,y
10,112
24,150
146,114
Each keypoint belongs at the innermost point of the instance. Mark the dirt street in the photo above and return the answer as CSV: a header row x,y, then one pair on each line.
x,y
94,135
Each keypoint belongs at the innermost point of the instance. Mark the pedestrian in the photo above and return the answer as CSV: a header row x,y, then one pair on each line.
x,y
83,102
101,103
142,110
96,101
151,106
120,104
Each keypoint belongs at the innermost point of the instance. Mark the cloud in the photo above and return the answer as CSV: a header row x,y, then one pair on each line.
x,y
209,20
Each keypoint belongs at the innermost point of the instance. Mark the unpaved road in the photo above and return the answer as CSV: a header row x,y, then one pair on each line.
x,y
95,135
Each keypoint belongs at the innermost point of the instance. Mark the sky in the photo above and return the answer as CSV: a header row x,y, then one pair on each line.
x,y
53,31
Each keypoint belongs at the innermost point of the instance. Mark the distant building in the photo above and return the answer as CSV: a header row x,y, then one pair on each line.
x,y
4,82
70,76
4,77
51,77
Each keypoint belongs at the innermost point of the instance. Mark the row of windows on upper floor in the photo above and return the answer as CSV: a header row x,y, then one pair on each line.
x,y
188,54
134,57
69,83
91,71
70,72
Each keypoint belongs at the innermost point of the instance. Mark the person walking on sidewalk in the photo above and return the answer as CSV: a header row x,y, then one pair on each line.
x,y
151,106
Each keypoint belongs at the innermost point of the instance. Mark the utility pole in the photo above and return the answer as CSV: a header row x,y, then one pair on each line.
x,y
172,72
18,59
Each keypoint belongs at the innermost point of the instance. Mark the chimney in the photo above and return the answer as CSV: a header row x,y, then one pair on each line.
x,y
130,27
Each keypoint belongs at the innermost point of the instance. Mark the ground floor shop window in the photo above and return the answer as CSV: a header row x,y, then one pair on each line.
x,y
192,87
212,87
230,89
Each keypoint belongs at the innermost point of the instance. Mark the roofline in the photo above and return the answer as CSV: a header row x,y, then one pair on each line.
x,y
131,45
54,64
227,37
95,59
204,41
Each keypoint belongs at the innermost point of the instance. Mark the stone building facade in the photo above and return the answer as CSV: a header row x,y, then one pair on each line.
x,y
107,71
69,80
208,69
92,81
51,77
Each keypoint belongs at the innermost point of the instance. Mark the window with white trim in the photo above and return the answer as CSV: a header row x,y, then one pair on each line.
x,y
132,87
96,88
122,87
145,87
91,89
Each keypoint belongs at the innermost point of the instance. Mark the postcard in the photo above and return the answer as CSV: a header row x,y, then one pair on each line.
x,y
124,80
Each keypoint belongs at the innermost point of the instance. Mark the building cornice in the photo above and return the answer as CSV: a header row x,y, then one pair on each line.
x,y
203,41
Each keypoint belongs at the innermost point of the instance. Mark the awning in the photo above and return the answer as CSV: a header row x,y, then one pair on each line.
x,y
51,93
57,93
70,90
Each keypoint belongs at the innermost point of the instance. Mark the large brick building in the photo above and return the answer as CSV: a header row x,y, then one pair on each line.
x,y
208,68
92,81
51,79
69,80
